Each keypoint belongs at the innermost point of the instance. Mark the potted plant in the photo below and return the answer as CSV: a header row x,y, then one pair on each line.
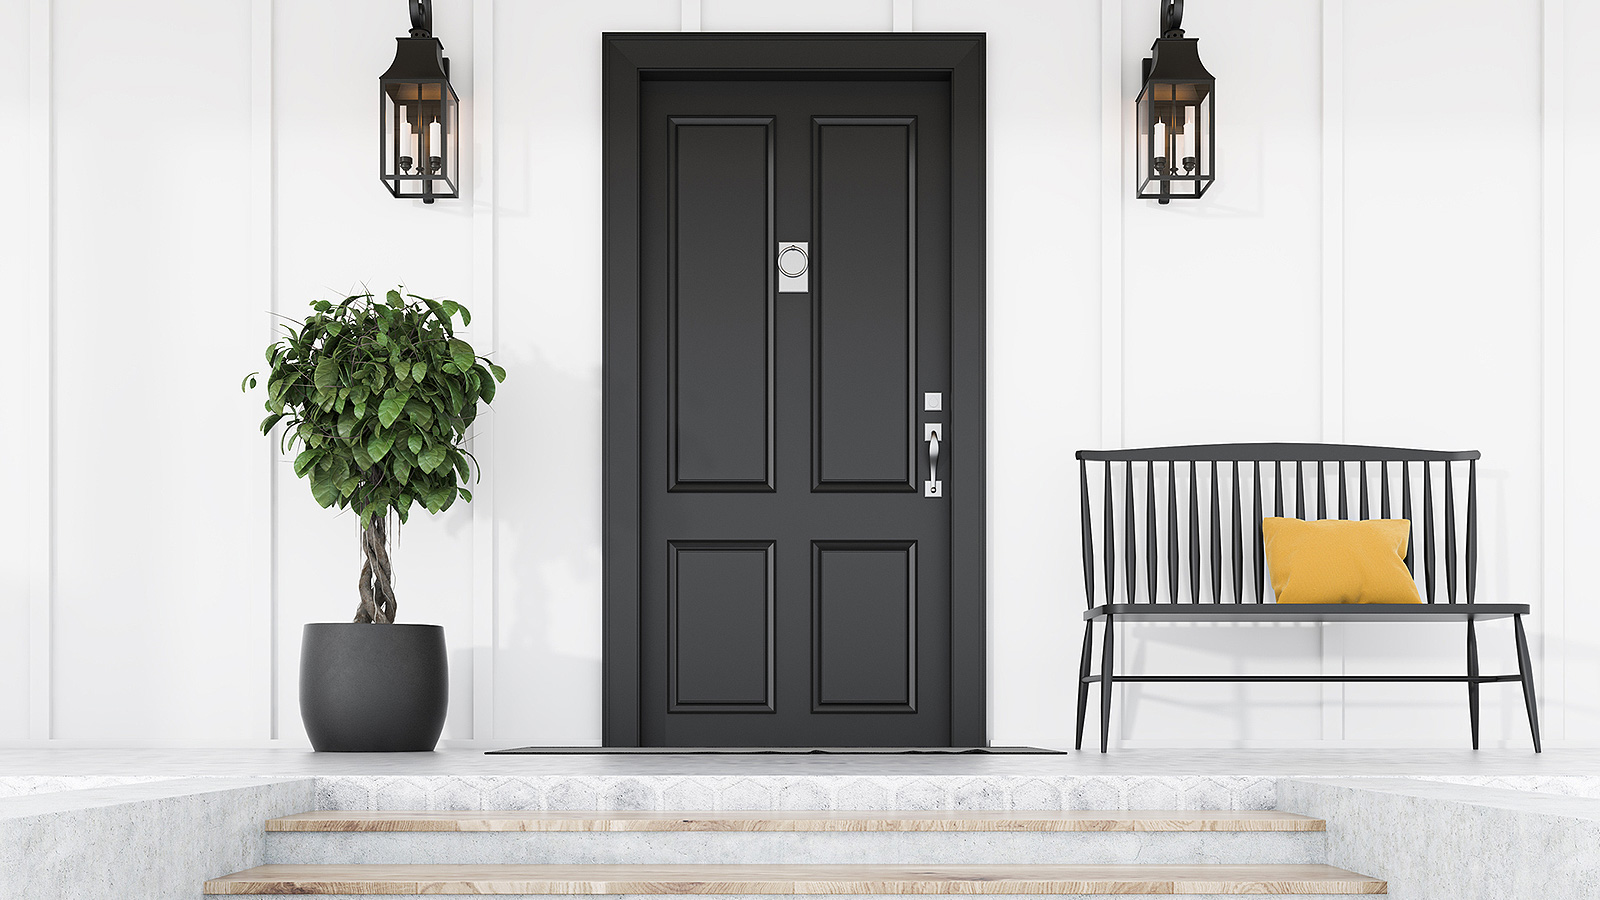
x,y
377,394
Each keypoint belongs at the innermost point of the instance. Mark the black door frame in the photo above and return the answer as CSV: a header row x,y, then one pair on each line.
x,y
628,60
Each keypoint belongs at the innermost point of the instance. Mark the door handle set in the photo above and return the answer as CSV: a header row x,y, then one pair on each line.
x,y
933,433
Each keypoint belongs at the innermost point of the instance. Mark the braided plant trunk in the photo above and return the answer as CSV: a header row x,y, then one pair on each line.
x,y
377,578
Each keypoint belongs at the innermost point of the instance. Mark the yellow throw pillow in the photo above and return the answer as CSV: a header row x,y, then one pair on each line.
x,y
1338,561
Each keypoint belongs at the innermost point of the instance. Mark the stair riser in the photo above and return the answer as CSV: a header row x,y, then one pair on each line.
x,y
334,848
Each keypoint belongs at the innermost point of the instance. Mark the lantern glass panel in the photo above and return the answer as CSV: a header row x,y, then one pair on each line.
x,y
420,125
1176,143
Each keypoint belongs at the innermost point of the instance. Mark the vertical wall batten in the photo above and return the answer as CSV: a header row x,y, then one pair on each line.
x,y
486,300
263,288
41,366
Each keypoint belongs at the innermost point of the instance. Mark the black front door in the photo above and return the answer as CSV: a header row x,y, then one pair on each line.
x,y
795,564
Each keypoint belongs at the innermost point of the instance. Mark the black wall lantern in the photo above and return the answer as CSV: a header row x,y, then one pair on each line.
x,y
418,115
1177,136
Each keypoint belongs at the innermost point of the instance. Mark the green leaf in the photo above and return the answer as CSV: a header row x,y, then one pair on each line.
x,y
394,299
466,317
349,485
466,495
431,458
358,452
348,421
415,443
401,469
419,412
249,382
359,407
379,445
461,354
486,387
419,371
390,408
499,373
324,489
304,461
327,373
269,421
461,467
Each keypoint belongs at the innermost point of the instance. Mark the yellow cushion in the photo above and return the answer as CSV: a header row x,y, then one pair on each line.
x,y
1338,561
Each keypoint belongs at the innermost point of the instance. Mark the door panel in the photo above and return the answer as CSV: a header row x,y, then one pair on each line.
x,y
720,174
864,298
795,582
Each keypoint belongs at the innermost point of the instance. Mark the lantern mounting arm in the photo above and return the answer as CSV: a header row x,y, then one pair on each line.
x,y
422,17
1172,18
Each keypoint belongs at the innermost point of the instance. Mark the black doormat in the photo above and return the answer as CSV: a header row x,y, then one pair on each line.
x,y
843,751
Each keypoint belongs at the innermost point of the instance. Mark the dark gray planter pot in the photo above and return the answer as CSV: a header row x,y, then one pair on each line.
x,y
373,688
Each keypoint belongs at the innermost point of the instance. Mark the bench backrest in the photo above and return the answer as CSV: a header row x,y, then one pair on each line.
x,y
1150,565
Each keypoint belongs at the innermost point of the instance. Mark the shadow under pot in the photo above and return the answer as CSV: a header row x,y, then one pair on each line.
x,y
373,688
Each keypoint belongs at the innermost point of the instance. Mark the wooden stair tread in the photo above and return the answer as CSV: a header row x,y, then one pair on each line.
x,y
804,820
795,879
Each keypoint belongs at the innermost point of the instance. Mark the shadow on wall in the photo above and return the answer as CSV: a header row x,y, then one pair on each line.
x,y
547,509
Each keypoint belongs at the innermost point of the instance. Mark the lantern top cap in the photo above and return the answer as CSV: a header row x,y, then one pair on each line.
x,y
418,59
1176,59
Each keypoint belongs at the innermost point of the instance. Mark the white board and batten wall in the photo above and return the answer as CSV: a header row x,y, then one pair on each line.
x,y
1391,255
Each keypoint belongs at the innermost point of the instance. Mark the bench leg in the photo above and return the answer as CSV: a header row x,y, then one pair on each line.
x,y
1106,656
1472,672
1083,672
1525,669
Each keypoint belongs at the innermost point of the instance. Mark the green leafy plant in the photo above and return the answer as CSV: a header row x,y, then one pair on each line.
x,y
377,395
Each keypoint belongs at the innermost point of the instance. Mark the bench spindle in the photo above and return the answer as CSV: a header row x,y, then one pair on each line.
x,y
1383,488
1344,503
1260,550
1405,513
1110,540
1194,533
1427,528
1472,530
1172,529
1088,533
1366,510
1150,551
1322,491
1299,490
1216,537
1450,531
1129,534
1277,488
1238,540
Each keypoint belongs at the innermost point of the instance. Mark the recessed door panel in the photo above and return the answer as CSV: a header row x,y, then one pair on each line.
x,y
720,614
864,301
864,604
720,291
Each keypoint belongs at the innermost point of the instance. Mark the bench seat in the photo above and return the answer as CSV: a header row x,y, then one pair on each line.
x,y
1307,612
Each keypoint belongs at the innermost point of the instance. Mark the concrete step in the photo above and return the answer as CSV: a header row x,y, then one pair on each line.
x,y
748,880
772,837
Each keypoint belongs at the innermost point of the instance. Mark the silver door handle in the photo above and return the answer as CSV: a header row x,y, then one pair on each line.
x,y
933,433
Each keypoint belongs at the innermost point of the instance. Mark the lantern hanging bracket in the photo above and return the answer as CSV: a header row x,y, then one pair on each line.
x,y
1171,18
422,17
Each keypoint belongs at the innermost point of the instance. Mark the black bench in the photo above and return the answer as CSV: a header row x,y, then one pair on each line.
x,y
1151,569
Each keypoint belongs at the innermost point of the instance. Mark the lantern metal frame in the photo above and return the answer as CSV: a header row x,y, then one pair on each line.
x,y
1175,110
414,95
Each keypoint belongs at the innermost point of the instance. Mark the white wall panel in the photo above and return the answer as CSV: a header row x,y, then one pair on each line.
x,y
158,630
1442,299
337,229
14,429
547,481
1044,96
